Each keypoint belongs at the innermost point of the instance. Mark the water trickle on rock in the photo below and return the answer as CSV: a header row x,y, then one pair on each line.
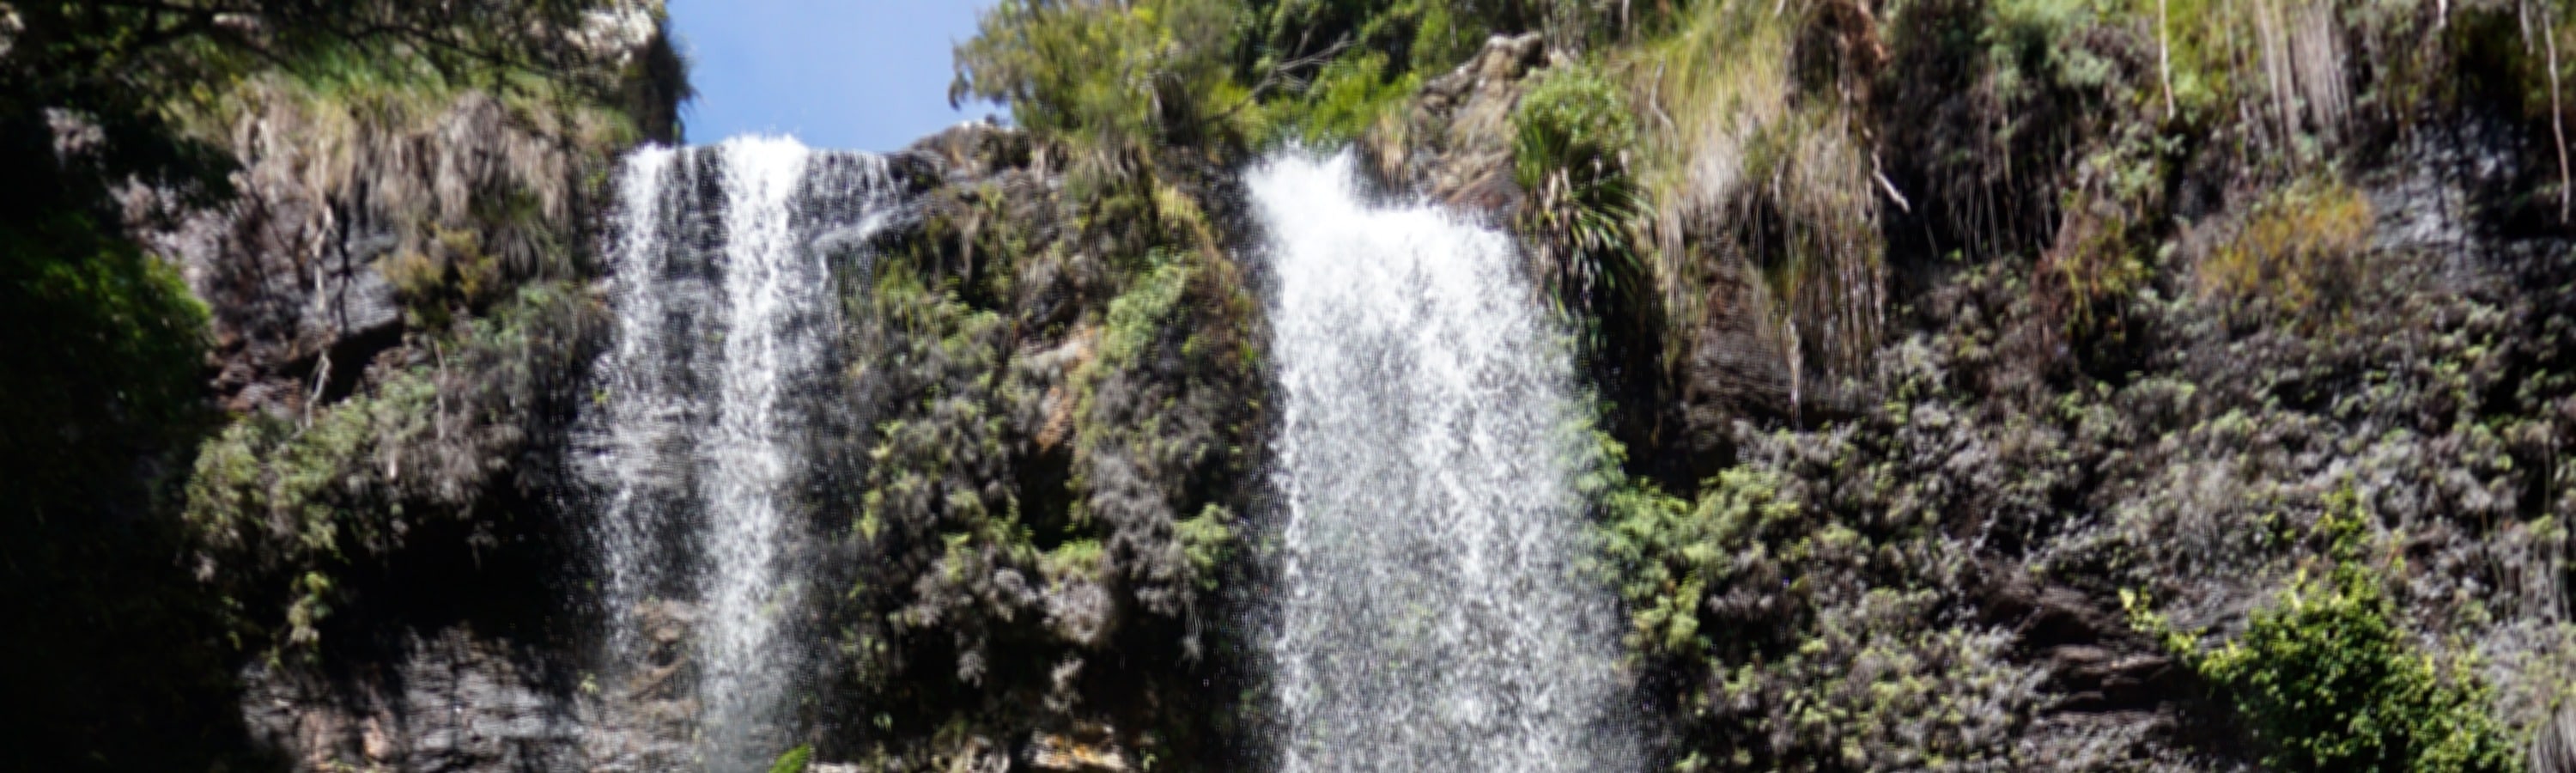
x,y
720,278
1432,618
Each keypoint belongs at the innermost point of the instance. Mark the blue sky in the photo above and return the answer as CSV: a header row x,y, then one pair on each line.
x,y
855,74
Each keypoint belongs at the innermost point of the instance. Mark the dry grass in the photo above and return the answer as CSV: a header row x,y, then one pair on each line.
x,y
1706,91
2280,68
1741,165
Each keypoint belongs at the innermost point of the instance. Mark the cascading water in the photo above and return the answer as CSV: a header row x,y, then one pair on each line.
x,y
720,279
1433,620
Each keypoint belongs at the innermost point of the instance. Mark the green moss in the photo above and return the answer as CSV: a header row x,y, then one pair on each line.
x,y
794,761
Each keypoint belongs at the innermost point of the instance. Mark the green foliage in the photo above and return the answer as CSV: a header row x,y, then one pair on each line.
x,y
1207,541
928,461
111,341
1157,403
2298,247
1110,74
277,507
1349,96
104,347
1670,554
1574,124
1115,80
1061,389
1408,36
1336,68
2330,681
108,399
1782,641
132,67
1137,317
1572,135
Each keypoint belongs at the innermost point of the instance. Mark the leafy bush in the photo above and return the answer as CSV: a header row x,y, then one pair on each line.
x,y
1108,74
1572,135
277,507
2298,247
1407,36
1671,556
112,341
2330,682
1781,638
104,347
1051,473
1349,96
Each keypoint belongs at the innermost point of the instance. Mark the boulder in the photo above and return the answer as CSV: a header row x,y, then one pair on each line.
x,y
1455,143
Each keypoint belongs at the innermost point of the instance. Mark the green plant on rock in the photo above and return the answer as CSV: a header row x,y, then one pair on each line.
x,y
1330,70
2330,682
1347,97
1670,554
2299,247
277,507
1159,410
1572,134
112,340
794,761
1114,80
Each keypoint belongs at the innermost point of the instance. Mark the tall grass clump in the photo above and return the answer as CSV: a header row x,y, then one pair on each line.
x,y
1755,156
1570,150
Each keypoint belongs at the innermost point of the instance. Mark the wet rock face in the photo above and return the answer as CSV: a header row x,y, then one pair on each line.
x,y
300,301
457,703
1734,368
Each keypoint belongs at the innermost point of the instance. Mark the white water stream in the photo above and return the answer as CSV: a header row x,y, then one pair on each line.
x,y
721,283
1433,619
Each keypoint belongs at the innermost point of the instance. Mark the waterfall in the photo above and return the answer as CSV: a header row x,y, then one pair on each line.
x,y
1433,619
720,279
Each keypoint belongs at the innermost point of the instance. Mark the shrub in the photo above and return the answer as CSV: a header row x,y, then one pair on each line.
x,y
1107,74
1572,132
1348,96
2297,247
279,508
112,342
1788,634
2330,683
1671,554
